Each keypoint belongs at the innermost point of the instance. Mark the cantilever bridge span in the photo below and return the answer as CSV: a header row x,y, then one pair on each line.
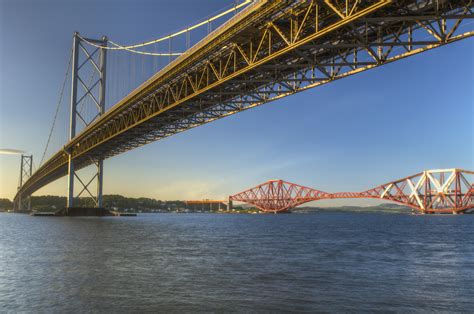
x,y
269,50
427,192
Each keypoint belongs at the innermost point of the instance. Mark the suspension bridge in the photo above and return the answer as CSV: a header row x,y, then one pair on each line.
x,y
124,96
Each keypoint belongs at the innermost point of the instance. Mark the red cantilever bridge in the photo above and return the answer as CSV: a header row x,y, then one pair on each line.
x,y
427,192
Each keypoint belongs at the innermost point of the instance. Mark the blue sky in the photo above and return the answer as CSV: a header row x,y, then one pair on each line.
x,y
352,134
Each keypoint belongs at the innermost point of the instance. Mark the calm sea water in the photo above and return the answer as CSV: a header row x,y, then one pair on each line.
x,y
259,263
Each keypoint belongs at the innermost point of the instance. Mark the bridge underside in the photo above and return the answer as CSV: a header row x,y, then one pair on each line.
x,y
271,50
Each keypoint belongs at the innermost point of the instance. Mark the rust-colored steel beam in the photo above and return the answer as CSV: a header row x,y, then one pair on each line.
x,y
427,192
278,196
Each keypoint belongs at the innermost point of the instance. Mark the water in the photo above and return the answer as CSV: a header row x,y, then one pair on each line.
x,y
210,262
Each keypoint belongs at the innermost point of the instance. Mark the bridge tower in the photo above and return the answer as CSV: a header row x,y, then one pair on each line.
x,y
94,90
26,169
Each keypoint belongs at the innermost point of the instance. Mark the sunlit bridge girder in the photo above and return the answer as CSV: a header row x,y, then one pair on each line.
x,y
270,50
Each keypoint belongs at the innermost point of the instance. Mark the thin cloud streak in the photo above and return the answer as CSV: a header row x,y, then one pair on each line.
x,y
7,151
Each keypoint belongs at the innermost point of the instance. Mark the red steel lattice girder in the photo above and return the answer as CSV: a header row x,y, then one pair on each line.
x,y
431,191
278,195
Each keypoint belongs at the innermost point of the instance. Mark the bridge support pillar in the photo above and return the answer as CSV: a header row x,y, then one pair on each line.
x,y
26,169
96,60
100,177
70,187
23,204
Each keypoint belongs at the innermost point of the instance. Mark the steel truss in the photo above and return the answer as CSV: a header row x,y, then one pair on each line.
x,y
428,192
94,91
278,196
270,50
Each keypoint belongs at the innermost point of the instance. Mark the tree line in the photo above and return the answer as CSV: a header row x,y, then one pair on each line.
x,y
119,202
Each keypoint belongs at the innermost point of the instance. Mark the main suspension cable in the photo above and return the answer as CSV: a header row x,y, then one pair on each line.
x,y
159,54
168,37
57,108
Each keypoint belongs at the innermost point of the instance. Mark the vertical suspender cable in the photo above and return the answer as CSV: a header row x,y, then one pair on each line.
x,y
57,108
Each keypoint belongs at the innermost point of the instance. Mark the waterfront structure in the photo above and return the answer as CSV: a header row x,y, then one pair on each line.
x,y
205,205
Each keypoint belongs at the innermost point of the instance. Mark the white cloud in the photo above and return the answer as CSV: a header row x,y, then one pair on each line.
x,y
7,151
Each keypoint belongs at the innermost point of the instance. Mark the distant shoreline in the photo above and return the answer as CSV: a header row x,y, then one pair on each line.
x,y
147,205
